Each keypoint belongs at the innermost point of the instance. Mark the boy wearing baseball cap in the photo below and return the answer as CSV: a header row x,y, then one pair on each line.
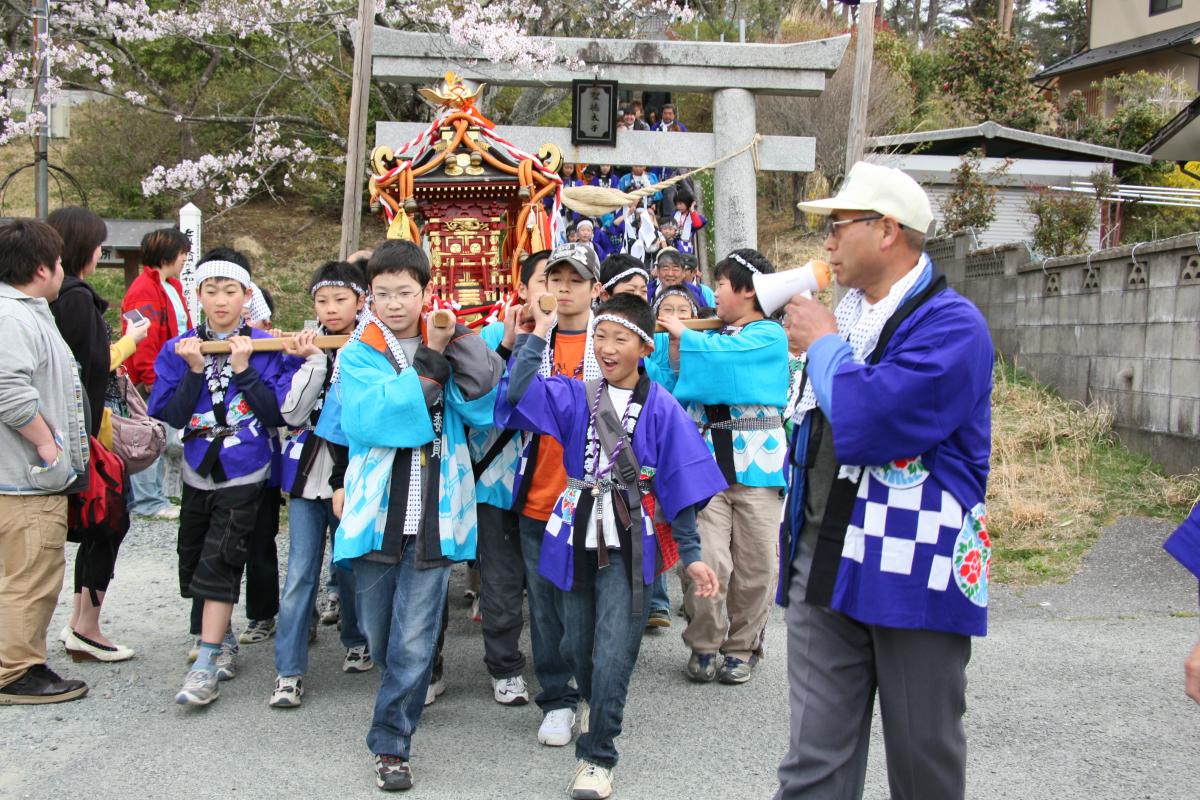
x,y
572,278
884,545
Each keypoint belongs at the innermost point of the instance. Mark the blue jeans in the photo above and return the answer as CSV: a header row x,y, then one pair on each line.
x,y
147,488
400,609
309,521
545,625
660,599
601,645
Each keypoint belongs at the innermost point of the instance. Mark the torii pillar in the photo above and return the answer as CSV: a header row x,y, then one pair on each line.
x,y
735,74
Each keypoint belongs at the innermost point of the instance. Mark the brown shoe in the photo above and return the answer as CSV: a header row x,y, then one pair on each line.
x,y
40,685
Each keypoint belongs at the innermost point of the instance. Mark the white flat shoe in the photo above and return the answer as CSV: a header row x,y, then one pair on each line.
x,y
83,649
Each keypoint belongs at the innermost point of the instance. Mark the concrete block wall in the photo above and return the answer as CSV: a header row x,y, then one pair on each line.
x,y
1121,327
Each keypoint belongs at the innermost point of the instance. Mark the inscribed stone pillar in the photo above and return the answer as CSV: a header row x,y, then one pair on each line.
x,y
735,209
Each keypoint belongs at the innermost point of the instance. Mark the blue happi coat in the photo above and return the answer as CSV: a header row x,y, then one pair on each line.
x,y
745,373
1184,543
668,448
253,445
378,411
495,485
916,552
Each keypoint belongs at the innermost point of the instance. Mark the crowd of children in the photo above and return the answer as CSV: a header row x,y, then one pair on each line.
x,y
574,451
666,219
418,445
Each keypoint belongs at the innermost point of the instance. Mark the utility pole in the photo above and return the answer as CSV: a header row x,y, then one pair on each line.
x,y
856,138
41,141
360,95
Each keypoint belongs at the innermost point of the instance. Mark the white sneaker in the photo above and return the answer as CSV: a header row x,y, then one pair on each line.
x,y
168,512
591,782
556,727
436,688
510,691
583,713
288,691
200,688
358,659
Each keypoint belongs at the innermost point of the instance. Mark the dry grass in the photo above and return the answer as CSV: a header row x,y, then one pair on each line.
x,y
1058,476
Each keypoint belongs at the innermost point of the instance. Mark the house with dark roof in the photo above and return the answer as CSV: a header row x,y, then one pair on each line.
x,y
1016,162
1158,36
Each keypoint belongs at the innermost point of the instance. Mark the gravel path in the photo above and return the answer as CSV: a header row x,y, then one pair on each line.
x,y
1077,693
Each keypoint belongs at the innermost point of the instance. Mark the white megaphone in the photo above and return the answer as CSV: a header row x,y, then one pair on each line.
x,y
777,288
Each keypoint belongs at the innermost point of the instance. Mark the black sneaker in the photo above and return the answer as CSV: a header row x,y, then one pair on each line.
x,y
392,773
659,618
735,670
41,685
702,667
258,630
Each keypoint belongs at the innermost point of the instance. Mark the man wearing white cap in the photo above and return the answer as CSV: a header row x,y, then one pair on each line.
x,y
885,553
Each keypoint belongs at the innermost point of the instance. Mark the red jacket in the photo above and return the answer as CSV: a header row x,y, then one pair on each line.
x,y
148,296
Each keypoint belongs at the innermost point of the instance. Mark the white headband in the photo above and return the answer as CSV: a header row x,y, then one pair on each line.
x,y
222,269
358,290
620,276
645,337
675,291
259,310
745,263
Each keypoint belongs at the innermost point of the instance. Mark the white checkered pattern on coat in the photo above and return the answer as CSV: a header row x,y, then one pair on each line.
x,y
904,519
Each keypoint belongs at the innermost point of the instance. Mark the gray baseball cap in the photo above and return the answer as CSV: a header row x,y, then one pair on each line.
x,y
580,256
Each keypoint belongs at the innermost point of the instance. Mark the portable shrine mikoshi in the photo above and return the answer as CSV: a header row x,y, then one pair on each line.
x,y
474,201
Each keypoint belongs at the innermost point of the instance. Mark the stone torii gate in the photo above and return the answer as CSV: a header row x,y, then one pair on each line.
x,y
734,73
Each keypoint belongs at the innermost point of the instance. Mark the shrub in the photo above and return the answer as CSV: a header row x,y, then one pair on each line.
x,y
988,71
1064,220
972,201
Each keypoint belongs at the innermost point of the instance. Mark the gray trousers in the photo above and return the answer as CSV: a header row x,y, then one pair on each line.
x,y
501,591
835,667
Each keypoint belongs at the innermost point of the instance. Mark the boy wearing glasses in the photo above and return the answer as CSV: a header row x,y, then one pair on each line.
x,y
401,395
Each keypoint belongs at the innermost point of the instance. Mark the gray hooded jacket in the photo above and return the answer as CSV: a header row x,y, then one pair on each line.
x,y
37,374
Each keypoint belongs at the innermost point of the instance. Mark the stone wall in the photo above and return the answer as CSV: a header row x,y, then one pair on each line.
x,y
1120,327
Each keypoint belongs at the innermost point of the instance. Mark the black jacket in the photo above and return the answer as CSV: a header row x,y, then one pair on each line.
x,y
79,313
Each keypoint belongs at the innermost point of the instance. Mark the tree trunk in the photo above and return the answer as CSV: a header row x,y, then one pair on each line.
x,y
914,27
931,21
533,102
1005,15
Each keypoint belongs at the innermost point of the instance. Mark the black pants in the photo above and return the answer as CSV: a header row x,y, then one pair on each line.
x,y
261,565
95,564
215,528
501,590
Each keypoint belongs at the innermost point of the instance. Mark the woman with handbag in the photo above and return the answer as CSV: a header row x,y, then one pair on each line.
x,y
79,313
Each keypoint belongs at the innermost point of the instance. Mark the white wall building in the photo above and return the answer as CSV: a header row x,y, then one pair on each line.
x,y
1034,160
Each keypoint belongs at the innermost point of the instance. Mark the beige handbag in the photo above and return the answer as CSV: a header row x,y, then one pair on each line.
x,y
137,440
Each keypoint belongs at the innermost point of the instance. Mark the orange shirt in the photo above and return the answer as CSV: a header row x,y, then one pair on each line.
x,y
549,477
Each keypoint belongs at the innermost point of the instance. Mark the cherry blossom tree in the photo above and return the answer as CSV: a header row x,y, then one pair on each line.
x,y
259,89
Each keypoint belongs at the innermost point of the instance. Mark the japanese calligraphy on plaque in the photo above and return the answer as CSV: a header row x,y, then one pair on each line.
x,y
594,112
